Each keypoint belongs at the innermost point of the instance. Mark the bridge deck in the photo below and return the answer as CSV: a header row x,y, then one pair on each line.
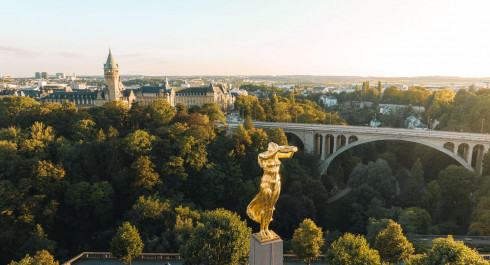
x,y
346,129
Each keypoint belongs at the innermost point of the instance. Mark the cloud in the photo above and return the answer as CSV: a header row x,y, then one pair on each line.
x,y
17,51
70,54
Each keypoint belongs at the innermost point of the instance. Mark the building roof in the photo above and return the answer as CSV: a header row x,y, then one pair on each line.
x,y
154,89
195,90
110,63
72,95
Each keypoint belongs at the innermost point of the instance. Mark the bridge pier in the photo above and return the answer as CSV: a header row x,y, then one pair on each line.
x,y
479,158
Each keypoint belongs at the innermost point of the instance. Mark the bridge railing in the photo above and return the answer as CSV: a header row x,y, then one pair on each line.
x,y
108,255
378,130
176,256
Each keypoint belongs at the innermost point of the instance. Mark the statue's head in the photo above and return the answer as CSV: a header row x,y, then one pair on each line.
x,y
272,147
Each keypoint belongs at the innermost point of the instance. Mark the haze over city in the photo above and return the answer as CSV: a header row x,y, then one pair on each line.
x,y
365,38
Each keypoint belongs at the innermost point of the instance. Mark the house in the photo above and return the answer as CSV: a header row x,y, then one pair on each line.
x,y
328,100
413,122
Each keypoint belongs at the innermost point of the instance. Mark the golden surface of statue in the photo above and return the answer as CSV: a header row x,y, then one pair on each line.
x,y
261,207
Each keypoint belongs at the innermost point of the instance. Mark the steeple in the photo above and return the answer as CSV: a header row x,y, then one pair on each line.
x,y
110,63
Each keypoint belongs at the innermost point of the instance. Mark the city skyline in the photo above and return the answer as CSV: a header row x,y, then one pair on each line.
x,y
375,38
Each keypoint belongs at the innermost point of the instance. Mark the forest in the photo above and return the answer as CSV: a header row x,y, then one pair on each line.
x,y
70,177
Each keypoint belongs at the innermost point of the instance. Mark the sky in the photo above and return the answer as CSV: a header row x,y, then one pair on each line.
x,y
233,37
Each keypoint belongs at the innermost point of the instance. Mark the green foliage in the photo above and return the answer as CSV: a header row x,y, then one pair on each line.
x,y
440,102
415,221
248,124
241,140
284,109
42,257
38,241
214,113
145,175
161,113
486,164
392,245
448,251
374,227
126,244
457,183
277,136
307,241
414,186
481,218
352,250
222,238
138,143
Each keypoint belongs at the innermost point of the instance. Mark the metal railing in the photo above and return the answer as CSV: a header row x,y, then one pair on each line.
x,y
176,256
108,255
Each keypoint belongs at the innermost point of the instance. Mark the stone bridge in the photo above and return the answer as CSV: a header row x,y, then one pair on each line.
x,y
329,141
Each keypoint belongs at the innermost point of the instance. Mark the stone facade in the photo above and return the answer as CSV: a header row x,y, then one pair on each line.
x,y
114,90
201,95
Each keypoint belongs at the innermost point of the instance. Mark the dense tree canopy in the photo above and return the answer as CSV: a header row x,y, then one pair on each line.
x,y
222,238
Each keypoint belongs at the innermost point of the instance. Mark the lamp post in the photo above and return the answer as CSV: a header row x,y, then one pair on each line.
x,y
430,124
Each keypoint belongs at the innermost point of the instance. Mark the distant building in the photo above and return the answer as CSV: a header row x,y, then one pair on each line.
x,y
37,75
45,75
374,123
387,108
205,94
319,89
60,75
147,94
78,86
237,92
328,100
113,90
413,122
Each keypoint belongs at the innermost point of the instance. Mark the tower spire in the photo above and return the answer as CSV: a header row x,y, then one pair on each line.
x,y
110,63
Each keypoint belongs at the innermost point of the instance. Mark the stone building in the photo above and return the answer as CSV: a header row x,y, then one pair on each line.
x,y
114,90
147,94
207,94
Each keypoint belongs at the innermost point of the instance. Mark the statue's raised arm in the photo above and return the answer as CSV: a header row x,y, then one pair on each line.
x,y
261,207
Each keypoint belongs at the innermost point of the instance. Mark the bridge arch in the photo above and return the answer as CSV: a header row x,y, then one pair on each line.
x,y
294,139
444,150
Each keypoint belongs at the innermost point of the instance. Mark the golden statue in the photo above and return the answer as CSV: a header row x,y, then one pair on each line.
x,y
261,207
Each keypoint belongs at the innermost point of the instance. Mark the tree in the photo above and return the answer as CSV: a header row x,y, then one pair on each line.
x,y
138,143
126,244
277,136
38,241
486,164
145,175
161,113
457,183
481,218
392,245
222,239
448,251
248,123
241,140
380,87
352,250
374,227
414,186
213,112
307,241
84,130
415,221
42,257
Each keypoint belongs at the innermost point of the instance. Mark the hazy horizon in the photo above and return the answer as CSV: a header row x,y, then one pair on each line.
x,y
379,38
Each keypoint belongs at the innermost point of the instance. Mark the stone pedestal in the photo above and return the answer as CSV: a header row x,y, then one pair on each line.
x,y
265,251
